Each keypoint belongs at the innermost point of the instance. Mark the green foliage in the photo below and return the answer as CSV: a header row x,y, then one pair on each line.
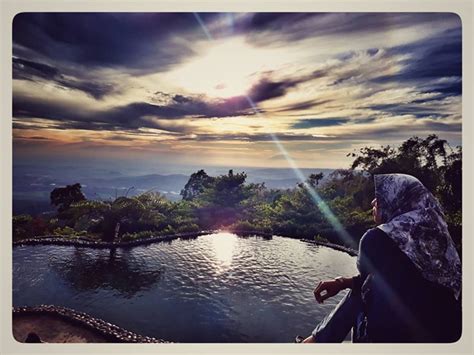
x,y
137,235
22,227
26,226
247,226
68,231
320,239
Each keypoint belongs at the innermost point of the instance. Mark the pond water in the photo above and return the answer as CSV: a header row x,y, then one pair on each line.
x,y
215,288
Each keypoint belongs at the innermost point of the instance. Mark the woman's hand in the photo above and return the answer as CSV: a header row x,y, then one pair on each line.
x,y
309,339
326,289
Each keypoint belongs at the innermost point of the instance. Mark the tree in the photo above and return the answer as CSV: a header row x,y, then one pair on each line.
x,y
123,212
314,179
63,197
229,189
196,184
451,188
418,157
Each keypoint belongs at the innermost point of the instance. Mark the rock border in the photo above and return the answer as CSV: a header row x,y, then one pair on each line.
x,y
90,243
338,247
111,332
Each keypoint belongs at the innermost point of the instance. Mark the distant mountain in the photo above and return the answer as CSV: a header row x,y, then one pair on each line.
x,y
174,182
32,186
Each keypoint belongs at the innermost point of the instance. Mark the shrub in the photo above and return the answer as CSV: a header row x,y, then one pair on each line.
x,y
320,239
68,232
138,235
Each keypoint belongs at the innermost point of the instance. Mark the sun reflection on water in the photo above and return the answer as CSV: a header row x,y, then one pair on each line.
x,y
223,245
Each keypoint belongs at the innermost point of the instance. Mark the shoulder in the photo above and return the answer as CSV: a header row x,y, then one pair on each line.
x,y
373,239
373,235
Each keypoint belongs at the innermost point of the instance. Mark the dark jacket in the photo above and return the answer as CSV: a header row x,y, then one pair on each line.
x,y
398,303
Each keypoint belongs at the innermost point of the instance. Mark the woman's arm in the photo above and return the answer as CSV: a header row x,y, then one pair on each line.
x,y
330,288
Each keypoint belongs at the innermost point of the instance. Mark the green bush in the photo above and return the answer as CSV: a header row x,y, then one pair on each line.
x,y
320,239
138,235
188,228
68,232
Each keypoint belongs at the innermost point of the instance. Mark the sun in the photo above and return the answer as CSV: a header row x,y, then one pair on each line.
x,y
225,68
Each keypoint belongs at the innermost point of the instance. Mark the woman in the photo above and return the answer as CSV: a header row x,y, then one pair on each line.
x,y
409,285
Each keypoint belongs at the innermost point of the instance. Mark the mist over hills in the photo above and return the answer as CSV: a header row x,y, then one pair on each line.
x,y
32,183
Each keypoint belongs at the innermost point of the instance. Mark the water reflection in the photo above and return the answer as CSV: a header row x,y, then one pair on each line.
x,y
217,288
115,269
223,246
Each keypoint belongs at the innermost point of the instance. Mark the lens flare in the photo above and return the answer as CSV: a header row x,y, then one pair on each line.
x,y
325,210
319,202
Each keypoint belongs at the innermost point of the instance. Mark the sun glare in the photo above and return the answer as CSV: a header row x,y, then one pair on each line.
x,y
224,245
226,68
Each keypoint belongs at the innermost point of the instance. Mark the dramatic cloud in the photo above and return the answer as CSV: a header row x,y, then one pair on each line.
x,y
428,61
140,42
29,70
278,27
322,84
142,114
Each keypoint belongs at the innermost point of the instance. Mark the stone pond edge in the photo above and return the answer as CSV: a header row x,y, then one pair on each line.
x,y
87,242
111,332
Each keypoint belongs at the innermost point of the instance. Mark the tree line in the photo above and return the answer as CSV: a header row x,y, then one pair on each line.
x,y
229,202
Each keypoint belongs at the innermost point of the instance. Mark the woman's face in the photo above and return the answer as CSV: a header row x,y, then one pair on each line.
x,y
376,212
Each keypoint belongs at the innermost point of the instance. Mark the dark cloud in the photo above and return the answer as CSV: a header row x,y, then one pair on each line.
x,y
437,57
271,28
281,136
365,120
416,110
37,138
303,105
143,114
30,70
128,117
267,89
139,42
24,69
319,122
202,107
397,131
433,125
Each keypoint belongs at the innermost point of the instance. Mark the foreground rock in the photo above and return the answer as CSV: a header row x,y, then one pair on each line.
x,y
63,325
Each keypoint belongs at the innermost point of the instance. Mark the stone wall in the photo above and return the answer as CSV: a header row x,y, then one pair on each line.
x,y
87,242
111,332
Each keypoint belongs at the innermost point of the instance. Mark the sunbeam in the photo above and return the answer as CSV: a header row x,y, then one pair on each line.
x,y
319,202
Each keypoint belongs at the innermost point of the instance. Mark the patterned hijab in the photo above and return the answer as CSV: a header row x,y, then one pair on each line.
x,y
413,218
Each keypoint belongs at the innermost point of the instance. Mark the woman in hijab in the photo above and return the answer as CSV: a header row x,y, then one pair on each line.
x,y
409,283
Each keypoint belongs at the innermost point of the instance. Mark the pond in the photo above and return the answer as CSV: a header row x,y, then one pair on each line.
x,y
215,288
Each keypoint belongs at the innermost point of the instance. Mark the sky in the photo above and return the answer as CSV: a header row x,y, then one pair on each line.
x,y
231,89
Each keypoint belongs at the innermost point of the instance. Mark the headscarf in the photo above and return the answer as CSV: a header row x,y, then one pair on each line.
x,y
414,219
